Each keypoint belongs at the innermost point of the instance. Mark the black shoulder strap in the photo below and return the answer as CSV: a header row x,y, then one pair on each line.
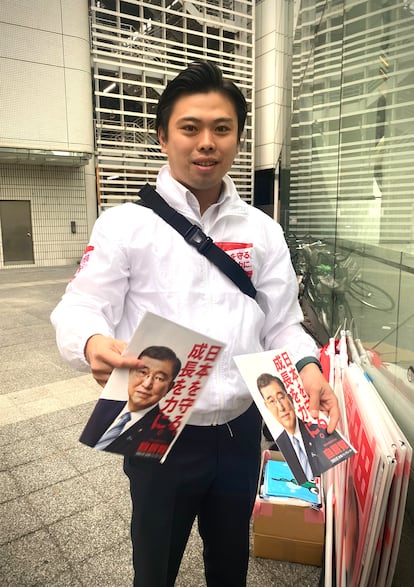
x,y
198,239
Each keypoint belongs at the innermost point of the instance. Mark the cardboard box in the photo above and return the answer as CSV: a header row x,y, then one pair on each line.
x,y
287,532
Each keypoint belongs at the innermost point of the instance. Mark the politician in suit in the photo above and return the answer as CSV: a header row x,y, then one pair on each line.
x,y
125,426
302,458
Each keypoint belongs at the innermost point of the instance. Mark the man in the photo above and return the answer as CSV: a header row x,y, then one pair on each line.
x,y
294,442
137,262
137,425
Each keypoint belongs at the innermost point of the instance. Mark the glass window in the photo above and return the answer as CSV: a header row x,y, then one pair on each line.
x,y
351,169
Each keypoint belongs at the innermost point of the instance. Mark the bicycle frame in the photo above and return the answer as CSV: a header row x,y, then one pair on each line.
x,y
327,278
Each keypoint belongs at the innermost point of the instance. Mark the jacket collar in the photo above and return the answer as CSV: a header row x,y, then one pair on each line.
x,y
184,201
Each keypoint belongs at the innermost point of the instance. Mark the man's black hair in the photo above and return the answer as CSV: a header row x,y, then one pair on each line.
x,y
200,77
266,379
163,353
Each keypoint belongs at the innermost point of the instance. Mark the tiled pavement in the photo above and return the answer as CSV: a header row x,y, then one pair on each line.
x,y
64,508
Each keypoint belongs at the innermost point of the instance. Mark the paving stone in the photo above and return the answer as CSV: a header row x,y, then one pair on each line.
x,y
28,450
111,568
9,489
17,518
89,532
43,472
85,459
32,560
63,499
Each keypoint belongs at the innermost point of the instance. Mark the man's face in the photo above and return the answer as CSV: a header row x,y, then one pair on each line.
x,y
202,142
149,383
280,405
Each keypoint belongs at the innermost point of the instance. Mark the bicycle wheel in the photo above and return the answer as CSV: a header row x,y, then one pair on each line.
x,y
371,295
342,314
326,319
314,322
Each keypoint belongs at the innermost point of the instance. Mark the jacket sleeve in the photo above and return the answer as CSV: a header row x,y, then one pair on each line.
x,y
93,301
277,289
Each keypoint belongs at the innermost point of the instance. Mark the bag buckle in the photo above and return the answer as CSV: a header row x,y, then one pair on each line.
x,y
198,239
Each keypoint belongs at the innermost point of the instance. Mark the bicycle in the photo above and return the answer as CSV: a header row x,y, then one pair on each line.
x,y
326,277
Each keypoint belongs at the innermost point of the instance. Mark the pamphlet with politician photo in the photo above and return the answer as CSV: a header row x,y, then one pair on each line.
x,y
142,411
278,391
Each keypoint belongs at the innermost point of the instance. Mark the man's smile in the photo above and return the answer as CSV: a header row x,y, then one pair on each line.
x,y
205,163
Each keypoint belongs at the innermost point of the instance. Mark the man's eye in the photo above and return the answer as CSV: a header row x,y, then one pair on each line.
x,y
223,129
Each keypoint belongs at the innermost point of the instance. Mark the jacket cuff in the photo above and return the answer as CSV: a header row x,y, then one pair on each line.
x,y
305,361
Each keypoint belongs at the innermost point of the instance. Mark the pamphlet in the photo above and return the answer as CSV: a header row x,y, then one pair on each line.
x,y
278,391
142,411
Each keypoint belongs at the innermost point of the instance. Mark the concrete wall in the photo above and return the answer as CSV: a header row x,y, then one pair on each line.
x,y
45,58
46,112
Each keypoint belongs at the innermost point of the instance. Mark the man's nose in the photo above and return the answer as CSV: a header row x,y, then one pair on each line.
x,y
280,405
147,382
206,141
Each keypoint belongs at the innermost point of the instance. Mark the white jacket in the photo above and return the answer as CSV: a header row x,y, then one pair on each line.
x,y
135,262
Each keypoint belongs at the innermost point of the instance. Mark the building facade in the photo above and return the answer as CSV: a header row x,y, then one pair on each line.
x,y
77,118
47,192
137,47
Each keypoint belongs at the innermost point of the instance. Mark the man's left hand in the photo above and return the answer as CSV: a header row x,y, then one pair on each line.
x,y
321,396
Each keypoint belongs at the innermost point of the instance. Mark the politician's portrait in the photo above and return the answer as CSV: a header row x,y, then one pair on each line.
x,y
122,426
294,441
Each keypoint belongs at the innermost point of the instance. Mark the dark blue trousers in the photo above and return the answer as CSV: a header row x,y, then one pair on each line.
x,y
211,473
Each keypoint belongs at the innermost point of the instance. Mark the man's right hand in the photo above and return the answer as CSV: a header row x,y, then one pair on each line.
x,y
104,354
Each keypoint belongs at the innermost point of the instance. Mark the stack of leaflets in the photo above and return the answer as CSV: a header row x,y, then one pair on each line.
x,y
280,483
367,493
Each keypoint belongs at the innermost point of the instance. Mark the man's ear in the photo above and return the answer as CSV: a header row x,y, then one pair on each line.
x,y
162,140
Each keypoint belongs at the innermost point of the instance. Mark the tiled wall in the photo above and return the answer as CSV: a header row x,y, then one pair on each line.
x,y
45,58
57,196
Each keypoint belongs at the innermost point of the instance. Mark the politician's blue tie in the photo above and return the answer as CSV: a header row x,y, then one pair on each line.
x,y
113,432
303,459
